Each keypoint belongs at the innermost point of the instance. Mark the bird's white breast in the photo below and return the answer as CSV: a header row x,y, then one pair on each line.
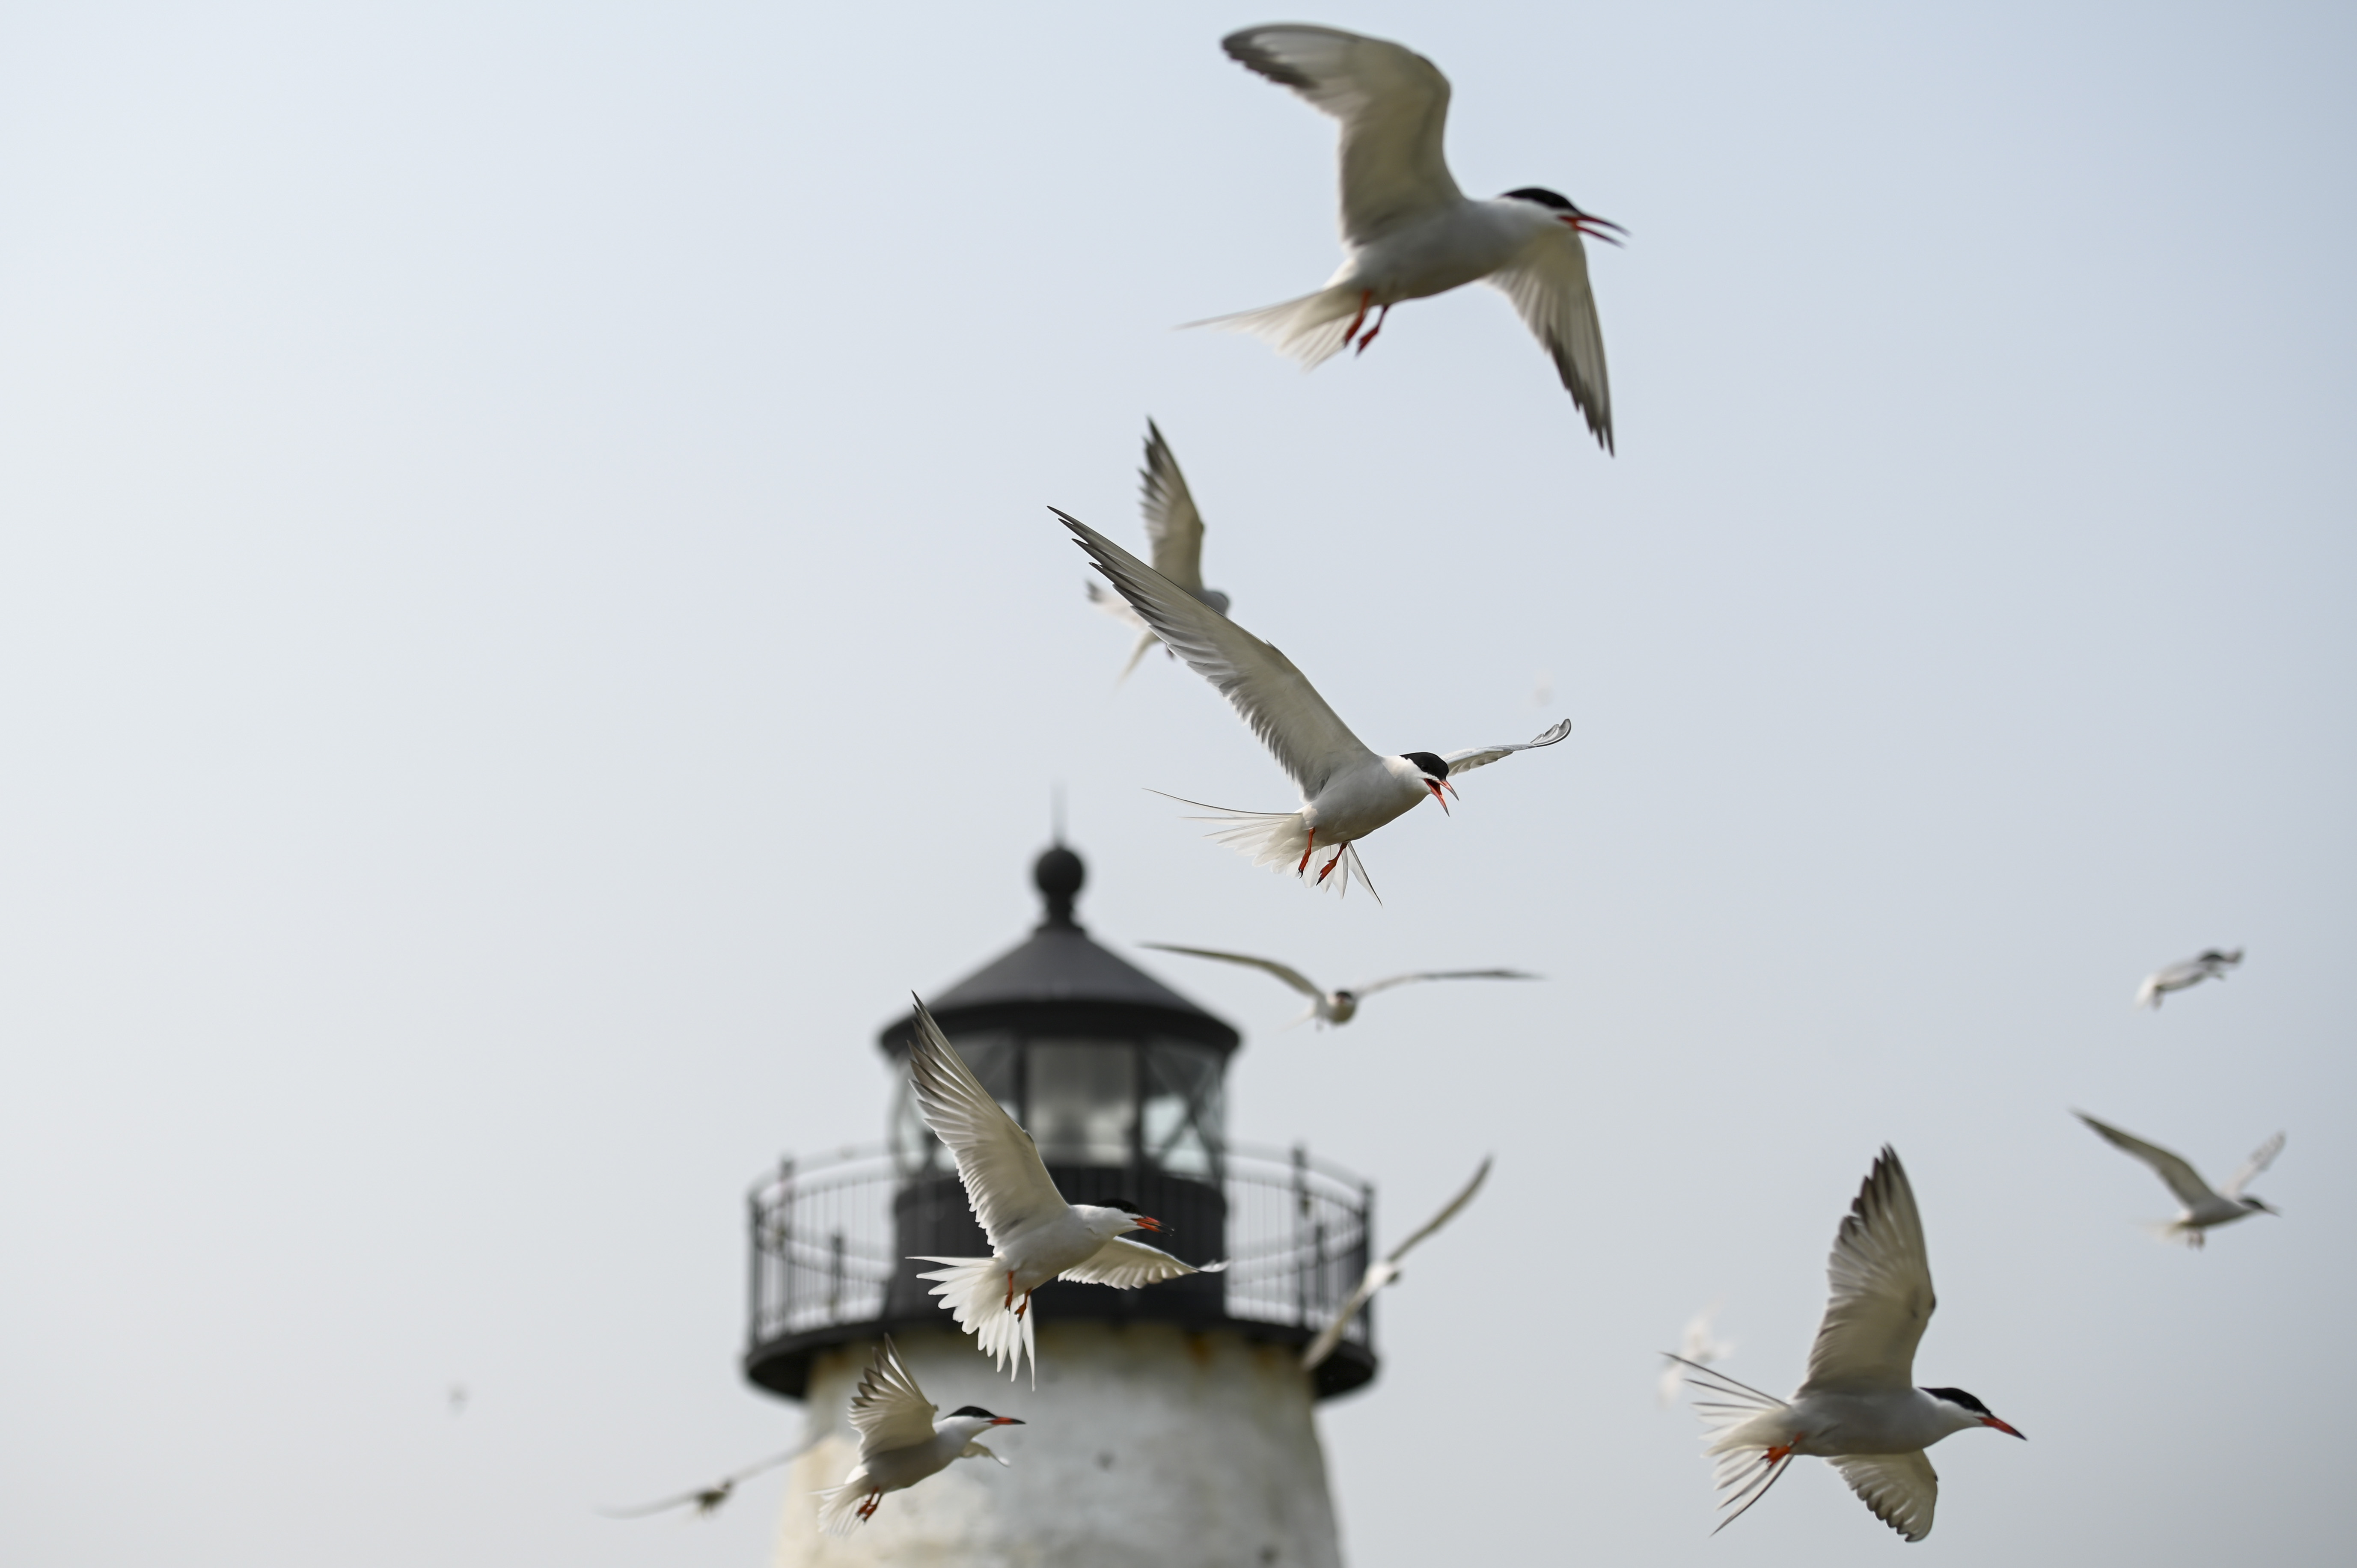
x,y
1445,249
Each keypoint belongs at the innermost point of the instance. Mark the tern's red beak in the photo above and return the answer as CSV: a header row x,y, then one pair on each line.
x,y
1991,1420
1588,226
1006,1421
1143,1223
1437,786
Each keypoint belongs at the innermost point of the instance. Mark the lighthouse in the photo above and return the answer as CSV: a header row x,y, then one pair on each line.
x,y
1171,1425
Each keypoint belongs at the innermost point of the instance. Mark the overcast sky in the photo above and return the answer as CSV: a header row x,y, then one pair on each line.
x,y
528,624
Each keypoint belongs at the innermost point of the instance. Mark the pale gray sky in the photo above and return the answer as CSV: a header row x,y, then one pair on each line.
x,y
529,624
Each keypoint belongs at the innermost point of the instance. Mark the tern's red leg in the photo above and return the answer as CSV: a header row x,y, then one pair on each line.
x,y
1381,316
1025,1306
1366,298
1330,864
1305,850
867,1509
1784,1451
1010,1290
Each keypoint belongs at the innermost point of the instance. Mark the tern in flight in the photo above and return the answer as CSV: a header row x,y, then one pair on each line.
x,y
1698,1349
1337,1006
1034,1236
2209,964
900,1442
705,1500
2204,1209
1858,1409
1347,791
1385,1271
1407,232
1173,538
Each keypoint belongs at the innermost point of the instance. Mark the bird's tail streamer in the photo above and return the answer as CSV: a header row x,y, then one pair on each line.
x,y
838,1506
1744,1471
1279,839
975,1290
1309,330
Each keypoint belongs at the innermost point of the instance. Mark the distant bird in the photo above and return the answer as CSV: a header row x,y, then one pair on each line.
x,y
1347,791
1858,1408
1385,1272
2204,1210
2212,963
457,1399
1034,1236
707,1500
901,1444
1697,1349
1173,538
1336,1006
1407,232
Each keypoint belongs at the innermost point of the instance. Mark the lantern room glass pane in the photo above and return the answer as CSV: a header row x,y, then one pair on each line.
x,y
1083,1096
1185,1110
991,1054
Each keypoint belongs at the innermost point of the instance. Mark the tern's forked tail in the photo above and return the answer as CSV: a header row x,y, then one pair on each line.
x,y
975,1290
1312,329
1279,838
838,1506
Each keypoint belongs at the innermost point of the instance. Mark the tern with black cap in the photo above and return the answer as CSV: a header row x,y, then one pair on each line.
x,y
1336,1006
2204,1210
1408,232
1858,1409
1173,537
1034,1236
1347,790
900,1442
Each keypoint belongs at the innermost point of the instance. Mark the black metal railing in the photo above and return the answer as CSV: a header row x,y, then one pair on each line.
x,y
823,1249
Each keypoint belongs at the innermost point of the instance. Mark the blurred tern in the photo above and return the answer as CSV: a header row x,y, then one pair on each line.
x,y
2204,1210
1858,1408
705,1500
1347,791
1386,1271
901,1444
1034,1236
1173,538
1697,1349
1407,232
2209,964
1336,1006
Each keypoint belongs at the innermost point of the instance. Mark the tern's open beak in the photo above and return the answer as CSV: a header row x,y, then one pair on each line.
x,y
1991,1420
1589,226
1143,1223
1007,1420
1437,786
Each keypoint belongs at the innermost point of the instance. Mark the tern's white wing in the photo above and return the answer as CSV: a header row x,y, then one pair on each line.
x,y
1126,1264
1376,1277
1286,972
1392,103
1447,1212
2261,1158
1482,756
2180,1177
1549,288
1364,991
889,1408
1005,1185
1901,1488
1882,1298
1174,529
1275,699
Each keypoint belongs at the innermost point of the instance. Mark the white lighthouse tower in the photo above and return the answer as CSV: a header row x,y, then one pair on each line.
x,y
1171,1425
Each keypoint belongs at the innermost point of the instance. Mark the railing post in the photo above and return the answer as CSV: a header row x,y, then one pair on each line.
x,y
1300,1219
835,1278
1366,1254
781,1233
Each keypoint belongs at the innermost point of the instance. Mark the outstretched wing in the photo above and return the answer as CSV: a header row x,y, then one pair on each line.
x,y
890,1410
1365,990
1125,1265
2261,1158
1275,699
1174,529
1448,1211
1286,972
1394,106
1381,1273
1550,291
1901,1488
1005,1185
2174,1172
1881,1298
1482,756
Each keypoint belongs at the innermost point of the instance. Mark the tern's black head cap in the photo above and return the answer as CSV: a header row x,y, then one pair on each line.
x,y
1543,196
1958,1396
1124,1205
971,1410
1431,764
